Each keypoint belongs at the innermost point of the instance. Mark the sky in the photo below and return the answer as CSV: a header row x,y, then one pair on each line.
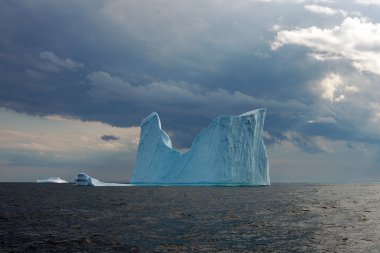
x,y
77,78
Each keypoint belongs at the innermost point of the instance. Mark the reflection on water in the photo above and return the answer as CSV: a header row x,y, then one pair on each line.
x,y
348,216
282,217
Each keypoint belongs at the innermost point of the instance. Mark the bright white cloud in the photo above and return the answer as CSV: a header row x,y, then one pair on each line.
x,y
356,40
324,10
330,86
368,2
333,88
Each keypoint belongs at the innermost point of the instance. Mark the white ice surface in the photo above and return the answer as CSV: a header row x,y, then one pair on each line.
x,y
96,182
56,180
229,151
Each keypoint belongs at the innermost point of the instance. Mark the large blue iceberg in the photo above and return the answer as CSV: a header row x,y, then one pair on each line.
x,y
230,151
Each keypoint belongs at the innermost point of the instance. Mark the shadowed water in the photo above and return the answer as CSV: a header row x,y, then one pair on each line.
x,y
282,217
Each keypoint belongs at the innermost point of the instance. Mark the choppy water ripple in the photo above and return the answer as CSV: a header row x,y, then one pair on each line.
x,y
279,218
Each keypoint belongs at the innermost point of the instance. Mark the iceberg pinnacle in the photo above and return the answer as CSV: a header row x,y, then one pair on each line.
x,y
229,151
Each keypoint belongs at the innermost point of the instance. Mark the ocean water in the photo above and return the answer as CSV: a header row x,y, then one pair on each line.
x,y
278,218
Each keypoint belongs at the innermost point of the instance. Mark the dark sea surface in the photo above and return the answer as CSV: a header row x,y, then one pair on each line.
x,y
278,218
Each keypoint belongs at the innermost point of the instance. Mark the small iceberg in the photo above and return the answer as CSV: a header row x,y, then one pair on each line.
x,y
55,180
83,179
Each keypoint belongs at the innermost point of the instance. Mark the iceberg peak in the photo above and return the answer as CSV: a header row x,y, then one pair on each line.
x,y
153,117
152,125
253,112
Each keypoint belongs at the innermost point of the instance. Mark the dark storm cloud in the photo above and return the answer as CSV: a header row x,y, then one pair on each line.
x,y
118,61
108,137
52,63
